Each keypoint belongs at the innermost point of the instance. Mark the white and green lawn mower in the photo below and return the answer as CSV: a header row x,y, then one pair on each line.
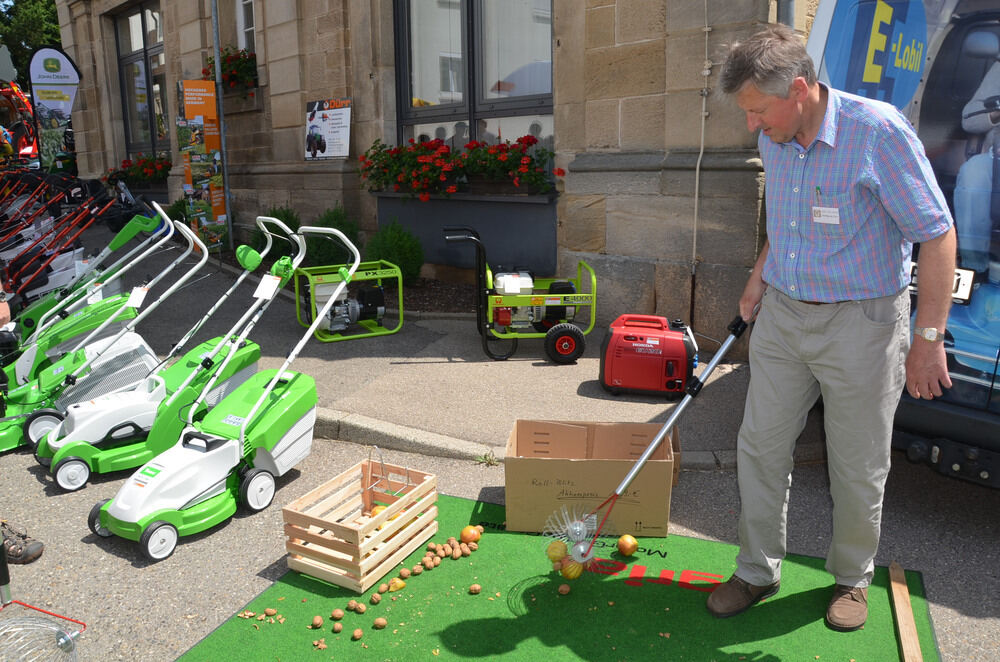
x,y
229,458
126,429
94,368
56,323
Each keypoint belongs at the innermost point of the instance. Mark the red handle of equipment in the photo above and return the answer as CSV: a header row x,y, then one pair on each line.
x,y
649,321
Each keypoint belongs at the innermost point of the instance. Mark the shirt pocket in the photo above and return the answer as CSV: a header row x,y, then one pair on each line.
x,y
836,232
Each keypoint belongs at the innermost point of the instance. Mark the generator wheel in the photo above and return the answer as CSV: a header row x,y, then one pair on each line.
x,y
257,489
564,343
40,423
158,541
94,520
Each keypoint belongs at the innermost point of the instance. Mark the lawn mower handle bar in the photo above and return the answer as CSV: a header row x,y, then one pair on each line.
x,y
346,275
247,321
736,329
78,298
193,241
218,304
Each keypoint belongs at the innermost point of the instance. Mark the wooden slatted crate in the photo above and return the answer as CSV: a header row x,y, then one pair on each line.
x,y
333,536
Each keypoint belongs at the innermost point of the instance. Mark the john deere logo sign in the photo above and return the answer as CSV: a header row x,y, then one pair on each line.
x,y
52,65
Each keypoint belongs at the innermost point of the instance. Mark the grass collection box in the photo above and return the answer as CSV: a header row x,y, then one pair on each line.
x,y
552,464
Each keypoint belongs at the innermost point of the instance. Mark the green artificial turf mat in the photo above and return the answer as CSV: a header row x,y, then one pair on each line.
x,y
652,606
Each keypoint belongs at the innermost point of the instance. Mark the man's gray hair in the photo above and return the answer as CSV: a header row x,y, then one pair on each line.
x,y
770,59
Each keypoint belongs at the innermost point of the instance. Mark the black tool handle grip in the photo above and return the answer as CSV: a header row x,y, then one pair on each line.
x,y
737,326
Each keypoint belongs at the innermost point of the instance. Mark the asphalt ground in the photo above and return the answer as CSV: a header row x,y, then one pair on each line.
x,y
428,397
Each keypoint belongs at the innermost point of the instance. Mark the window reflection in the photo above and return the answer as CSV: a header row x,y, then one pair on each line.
x,y
159,97
130,33
491,130
516,48
437,69
137,102
154,28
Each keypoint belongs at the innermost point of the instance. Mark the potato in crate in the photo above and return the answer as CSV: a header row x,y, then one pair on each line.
x,y
354,529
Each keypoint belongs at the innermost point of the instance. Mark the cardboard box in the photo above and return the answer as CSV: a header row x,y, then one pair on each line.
x,y
551,464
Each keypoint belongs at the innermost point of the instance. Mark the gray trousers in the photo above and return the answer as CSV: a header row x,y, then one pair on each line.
x,y
853,354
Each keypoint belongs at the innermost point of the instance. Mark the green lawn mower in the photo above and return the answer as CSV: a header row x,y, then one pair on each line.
x,y
229,458
96,368
57,323
126,429
513,305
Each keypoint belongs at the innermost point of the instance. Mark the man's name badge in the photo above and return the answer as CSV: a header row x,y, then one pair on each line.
x,y
828,215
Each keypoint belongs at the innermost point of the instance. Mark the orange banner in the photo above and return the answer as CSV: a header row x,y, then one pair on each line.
x,y
199,99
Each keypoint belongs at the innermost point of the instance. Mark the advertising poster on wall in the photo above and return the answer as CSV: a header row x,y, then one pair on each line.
x,y
328,129
200,146
54,81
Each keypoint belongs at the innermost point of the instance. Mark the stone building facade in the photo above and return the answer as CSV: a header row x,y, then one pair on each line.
x,y
663,192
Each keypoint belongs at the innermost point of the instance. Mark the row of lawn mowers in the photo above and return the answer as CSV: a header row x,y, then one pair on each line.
x,y
202,429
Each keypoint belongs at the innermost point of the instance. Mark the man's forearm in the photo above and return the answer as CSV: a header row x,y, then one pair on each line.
x,y
935,280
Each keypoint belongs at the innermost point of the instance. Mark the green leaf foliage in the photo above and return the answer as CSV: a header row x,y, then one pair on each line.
x,y
324,251
394,243
26,25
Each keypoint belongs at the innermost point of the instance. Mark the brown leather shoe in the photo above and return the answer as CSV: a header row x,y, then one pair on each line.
x,y
736,596
20,547
848,608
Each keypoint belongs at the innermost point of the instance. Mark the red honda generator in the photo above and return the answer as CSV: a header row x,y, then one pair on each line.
x,y
649,355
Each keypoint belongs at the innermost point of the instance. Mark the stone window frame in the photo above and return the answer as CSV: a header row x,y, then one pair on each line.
x,y
472,109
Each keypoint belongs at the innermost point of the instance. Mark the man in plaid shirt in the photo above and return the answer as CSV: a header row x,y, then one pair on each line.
x,y
849,191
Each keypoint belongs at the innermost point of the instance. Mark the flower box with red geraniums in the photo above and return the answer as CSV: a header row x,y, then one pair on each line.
x,y
239,71
427,168
143,171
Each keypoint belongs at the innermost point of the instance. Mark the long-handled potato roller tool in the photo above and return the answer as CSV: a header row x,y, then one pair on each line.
x,y
33,636
578,529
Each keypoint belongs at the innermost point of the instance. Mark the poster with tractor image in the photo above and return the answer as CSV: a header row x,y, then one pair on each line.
x,y
200,146
328,129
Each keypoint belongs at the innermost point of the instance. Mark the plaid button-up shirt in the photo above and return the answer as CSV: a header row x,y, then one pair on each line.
x,y
868,164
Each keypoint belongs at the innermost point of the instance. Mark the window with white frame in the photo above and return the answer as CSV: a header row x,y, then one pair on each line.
x,y
245,25
474,69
